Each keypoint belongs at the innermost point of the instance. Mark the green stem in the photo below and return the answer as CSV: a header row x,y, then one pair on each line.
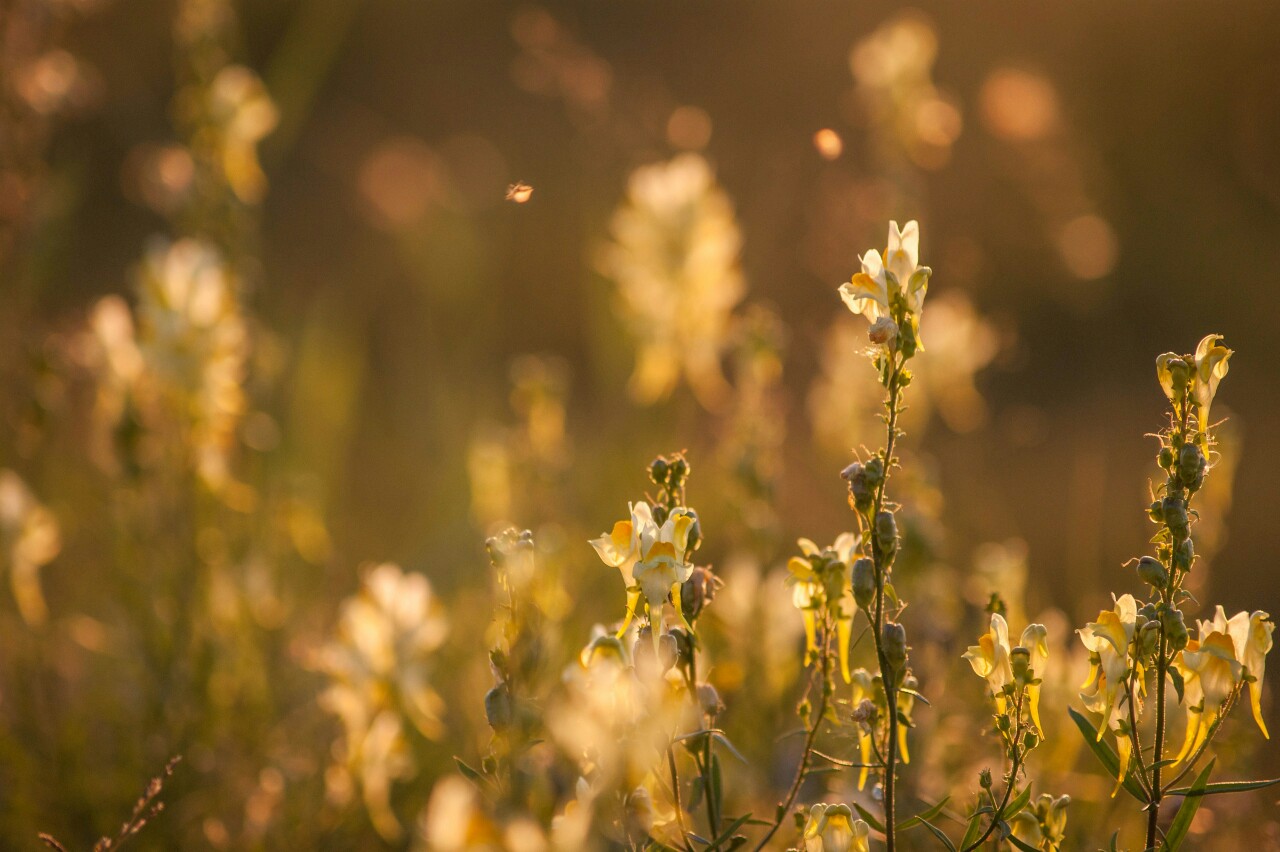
x,y
998,816
887,676
794,790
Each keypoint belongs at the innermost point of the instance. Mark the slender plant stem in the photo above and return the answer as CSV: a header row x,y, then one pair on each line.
x,y
675,795
808,742
887,675
998,816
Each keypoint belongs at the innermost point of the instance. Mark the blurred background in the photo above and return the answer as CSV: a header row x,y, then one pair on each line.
x,y
294,289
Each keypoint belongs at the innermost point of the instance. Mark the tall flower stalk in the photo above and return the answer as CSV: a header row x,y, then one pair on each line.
x,y
1209,673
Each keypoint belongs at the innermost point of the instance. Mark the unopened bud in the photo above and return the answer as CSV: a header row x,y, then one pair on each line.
x,y
1191,464
1175,629
1156,511
1020,662
865,713
875,471
886,533
864,582
1030,740
698,591
709,699
984,779
1165,459
884,332
1149,637
1175,515
1150,571
497,707
861,491
658,470
1180,373
893,642
1184,553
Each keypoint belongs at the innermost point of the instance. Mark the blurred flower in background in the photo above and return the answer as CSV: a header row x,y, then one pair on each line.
x,y
379,665
29,540
674,258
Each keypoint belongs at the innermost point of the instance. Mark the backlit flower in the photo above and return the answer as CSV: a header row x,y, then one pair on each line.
x,y
832,828
1210,673
990,660
893,282
814,591
1108,642
1198,376
652,559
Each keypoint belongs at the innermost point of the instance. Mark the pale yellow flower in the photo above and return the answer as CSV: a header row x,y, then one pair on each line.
x,y
990,660
864,689
29,540
832,828
811,593
652,559
674,257
1199,378
895,274
1108,640
1210,673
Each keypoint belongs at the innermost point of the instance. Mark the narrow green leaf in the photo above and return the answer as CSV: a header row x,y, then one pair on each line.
x,y
1016,804
1223,787
724,741
938,833
1182,820
1025,847
975,829
727,835
923,816
470,772
869,817
1105,755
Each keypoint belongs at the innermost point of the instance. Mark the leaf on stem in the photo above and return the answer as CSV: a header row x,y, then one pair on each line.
x,y
1105,755
1187,812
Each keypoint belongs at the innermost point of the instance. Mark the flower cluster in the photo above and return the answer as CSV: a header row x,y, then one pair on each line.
x,y
378,666
1141,647
674,257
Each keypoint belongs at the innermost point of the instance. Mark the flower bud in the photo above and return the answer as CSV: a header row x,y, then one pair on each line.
x,y
1190,462
680,648
709,699
864,582
660,513
886,533
884,332
1150,571
1149,637
679,471
658,470
1030,740
1165,459
861,491
698,591
1184,553
1156,511
1180,374
497,707
1175,629
984,779
875,471
893,642
1020,662
1175,515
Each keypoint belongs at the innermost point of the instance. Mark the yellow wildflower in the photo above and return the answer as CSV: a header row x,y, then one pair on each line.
x,y
832,828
